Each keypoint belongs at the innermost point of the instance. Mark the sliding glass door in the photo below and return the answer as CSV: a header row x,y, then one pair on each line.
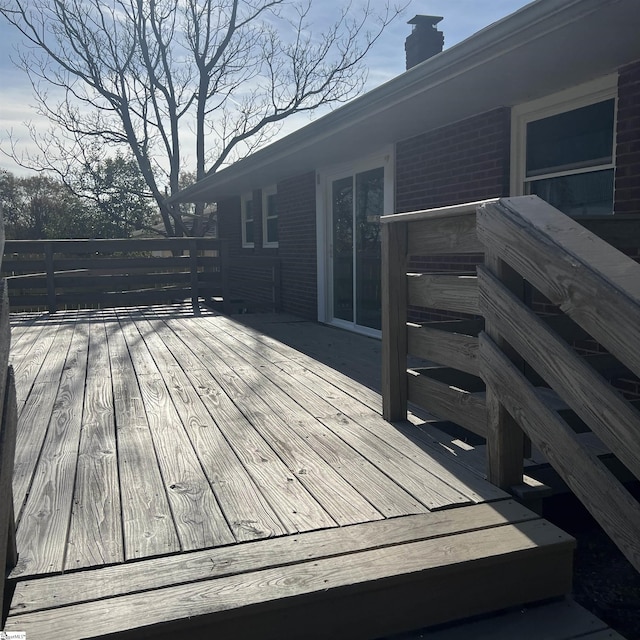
x,y
357,202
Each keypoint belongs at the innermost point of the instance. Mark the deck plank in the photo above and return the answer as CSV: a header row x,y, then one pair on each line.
x,y
29,364
95,532
248,512
334,400
432,494
197,515
147,522
42,530
144,611
108,582
273,418
296,508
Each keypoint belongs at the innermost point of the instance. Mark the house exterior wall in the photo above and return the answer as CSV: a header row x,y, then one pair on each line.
x,y
461,162
250,283
297,245
627,181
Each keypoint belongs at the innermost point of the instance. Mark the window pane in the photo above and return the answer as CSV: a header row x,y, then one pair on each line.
x,y
369,208
342,207
584,194
248,210
248,231
271,206
272,229
578,138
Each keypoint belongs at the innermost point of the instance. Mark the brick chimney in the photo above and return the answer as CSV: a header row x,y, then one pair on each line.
x,y
424,41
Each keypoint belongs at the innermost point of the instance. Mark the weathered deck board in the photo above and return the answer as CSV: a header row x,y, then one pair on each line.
x,y
522,544
196,512
272,418
333,399
147,522
433,494
247,510
44,522
296,508
95,532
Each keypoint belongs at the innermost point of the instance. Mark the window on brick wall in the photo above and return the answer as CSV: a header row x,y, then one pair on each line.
x,y
269,217
248,222
565,149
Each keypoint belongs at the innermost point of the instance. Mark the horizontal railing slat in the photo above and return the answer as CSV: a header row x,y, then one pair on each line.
x,y
450,349
442,236
447,292
81,246
449,403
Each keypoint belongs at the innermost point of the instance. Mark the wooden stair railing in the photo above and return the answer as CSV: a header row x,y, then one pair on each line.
x,y
538,385
8,425
598,287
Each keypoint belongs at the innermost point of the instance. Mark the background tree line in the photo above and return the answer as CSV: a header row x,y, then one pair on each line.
x,y
108,200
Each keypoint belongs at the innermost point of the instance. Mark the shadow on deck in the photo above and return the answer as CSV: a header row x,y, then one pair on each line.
x,y
179,473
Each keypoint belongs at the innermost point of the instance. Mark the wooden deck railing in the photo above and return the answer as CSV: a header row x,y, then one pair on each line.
x,y
537,384
54,274
8,425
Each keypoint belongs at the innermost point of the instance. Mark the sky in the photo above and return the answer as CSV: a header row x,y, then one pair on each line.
x,y
462,18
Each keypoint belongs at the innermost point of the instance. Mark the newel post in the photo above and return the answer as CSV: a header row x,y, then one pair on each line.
x,y
394,320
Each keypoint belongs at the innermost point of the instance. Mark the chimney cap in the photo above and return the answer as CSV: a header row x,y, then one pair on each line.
x,y
426,20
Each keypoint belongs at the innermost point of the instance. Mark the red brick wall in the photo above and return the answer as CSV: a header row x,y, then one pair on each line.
x,y
297,245
627,195
458,163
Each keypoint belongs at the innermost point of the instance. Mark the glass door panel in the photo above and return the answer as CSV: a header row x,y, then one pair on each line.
x,y
369,207
342,239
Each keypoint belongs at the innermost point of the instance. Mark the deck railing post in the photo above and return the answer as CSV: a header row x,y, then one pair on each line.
x,y
193,265
506,441
394,320
225,277
51,284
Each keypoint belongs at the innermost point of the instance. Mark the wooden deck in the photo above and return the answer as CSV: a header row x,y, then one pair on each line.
x,y
176,470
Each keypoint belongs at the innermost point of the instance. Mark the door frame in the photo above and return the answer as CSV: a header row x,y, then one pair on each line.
x,y
324,179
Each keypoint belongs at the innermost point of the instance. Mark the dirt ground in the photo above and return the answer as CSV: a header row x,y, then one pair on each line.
x,y
604,581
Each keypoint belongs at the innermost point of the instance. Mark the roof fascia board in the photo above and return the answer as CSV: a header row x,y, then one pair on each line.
x,y
498,39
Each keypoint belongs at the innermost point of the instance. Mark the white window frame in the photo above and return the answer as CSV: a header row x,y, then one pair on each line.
x,y
599,90
244,198
266,192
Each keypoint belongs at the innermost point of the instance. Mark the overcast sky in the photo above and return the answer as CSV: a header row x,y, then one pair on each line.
x,y
462,18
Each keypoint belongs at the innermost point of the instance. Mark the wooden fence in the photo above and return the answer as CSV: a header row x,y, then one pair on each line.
x,y
54,274
506,373
8,425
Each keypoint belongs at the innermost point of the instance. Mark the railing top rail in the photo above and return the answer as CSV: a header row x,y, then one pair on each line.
x,y
594,283
433,214
589,249
98,244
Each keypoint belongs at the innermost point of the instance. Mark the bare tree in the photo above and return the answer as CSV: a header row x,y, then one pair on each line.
x,y
166,78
